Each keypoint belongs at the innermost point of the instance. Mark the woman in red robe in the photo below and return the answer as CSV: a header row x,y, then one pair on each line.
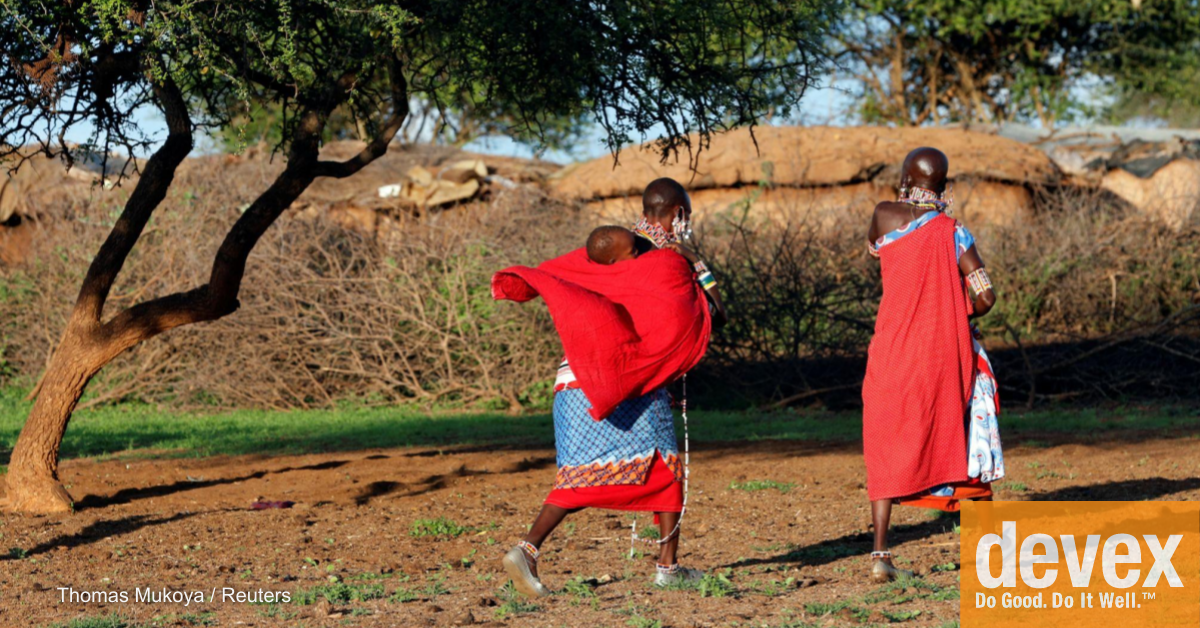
x,y
929,398
628,329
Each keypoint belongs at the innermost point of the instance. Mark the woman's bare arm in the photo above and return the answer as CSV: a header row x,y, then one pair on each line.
x,y
970,263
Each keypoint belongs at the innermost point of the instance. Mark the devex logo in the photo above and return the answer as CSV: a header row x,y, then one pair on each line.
x,y
1118,549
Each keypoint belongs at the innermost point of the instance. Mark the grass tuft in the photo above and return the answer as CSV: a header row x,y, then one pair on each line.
x,y
761,485
339,593
440,528
513,603
101,621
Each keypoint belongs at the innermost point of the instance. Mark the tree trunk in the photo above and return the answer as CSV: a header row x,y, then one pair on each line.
x,y
32,481
88,343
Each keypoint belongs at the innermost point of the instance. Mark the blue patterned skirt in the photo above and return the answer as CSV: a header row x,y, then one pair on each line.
x,y
617,450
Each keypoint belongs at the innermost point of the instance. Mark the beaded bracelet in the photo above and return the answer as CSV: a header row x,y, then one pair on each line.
x,y
707,281
979,282
700,267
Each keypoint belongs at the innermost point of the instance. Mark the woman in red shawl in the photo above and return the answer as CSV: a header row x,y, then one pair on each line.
x,y
614,429
930,437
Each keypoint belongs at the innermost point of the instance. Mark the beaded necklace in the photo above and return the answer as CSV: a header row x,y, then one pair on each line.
x,y
926,199
654,233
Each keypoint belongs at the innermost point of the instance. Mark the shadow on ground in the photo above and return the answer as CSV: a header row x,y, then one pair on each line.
x,y
1120,490
861,543
371,491
102,531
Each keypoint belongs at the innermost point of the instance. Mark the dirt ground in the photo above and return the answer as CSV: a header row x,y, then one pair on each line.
x,y
185,524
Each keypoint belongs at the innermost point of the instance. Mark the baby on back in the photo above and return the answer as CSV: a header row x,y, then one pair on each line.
x,y
610,244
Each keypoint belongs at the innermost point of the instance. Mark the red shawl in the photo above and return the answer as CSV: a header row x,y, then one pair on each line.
x,y
627,329
920,367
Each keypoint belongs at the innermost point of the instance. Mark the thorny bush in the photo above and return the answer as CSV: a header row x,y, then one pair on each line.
x,y
1094,301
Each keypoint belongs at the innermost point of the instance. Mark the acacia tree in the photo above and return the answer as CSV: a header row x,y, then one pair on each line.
x,y
998,61
689,67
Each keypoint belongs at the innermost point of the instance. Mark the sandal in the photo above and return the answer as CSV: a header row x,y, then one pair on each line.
x,y
516,565
882,569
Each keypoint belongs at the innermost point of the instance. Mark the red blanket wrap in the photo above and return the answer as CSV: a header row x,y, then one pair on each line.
x,y
627,328
920,368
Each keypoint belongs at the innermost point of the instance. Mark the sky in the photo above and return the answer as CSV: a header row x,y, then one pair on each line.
x,y
824,105
821,105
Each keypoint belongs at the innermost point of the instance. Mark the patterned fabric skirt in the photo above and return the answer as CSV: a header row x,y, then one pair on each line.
x,y
985,459
618,450
948,497
661,493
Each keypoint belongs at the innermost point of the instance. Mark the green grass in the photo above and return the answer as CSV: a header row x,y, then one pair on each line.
x,y
637,621
761,485
339,593
896,617
578,588
403,595
439,528
513,603
771,588
136,430
100,621
207,618
821,609
715,584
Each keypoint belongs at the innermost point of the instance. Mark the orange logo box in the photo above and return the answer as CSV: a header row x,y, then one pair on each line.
x,y
1063,564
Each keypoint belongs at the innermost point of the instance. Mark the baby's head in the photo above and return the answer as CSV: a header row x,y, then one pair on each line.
x,y
609,245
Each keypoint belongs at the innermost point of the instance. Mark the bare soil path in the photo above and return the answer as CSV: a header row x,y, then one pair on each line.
x,y
791,555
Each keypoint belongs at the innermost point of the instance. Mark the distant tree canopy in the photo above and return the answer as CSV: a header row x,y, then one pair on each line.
x,y
527,68
920,61
262,123
908,61
683,68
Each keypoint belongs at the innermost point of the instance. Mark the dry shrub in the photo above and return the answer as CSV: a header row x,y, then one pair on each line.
x,y
1094,302
1098,301
335,315
802,297
1088,267
327,314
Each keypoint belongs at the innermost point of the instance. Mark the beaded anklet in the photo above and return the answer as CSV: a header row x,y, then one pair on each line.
x,y
666,570
529,550
883,554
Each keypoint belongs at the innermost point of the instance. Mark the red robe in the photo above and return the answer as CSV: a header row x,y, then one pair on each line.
x,y
626,328
920,368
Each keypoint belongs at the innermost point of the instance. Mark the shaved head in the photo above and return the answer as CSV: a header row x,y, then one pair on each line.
x,y
609,245
662,197
926,168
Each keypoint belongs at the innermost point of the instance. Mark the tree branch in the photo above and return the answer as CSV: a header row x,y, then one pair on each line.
x,y
151,189
219,297
148,319
379,145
